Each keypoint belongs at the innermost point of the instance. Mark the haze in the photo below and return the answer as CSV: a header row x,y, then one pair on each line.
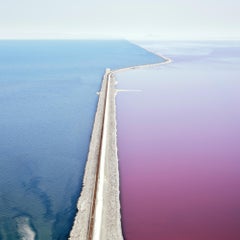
x,y
171,19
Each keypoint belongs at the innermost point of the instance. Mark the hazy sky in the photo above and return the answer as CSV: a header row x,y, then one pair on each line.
x,y
169,19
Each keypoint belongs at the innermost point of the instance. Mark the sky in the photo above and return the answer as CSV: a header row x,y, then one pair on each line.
x,y
133,19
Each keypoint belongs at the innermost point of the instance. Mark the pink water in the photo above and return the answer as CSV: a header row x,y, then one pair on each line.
x,y
179,151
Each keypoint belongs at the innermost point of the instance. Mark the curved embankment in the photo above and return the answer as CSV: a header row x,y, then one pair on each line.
x,y
98,216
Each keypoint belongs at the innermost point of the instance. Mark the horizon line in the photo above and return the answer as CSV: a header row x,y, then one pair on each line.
x,y
114,38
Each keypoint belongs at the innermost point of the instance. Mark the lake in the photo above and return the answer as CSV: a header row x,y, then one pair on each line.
x,y
178,144
48,101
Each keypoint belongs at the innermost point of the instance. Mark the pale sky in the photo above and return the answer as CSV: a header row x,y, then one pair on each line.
x,y
133,19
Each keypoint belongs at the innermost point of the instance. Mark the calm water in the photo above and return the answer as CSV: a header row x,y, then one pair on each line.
x,y
48,101
179,142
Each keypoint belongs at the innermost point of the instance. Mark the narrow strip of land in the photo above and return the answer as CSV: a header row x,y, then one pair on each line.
x,y
98,216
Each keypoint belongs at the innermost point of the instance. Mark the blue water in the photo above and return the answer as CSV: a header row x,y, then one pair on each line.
x,y
47,106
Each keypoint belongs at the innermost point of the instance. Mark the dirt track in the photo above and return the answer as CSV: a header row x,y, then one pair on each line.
x,y
102,211
98,216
